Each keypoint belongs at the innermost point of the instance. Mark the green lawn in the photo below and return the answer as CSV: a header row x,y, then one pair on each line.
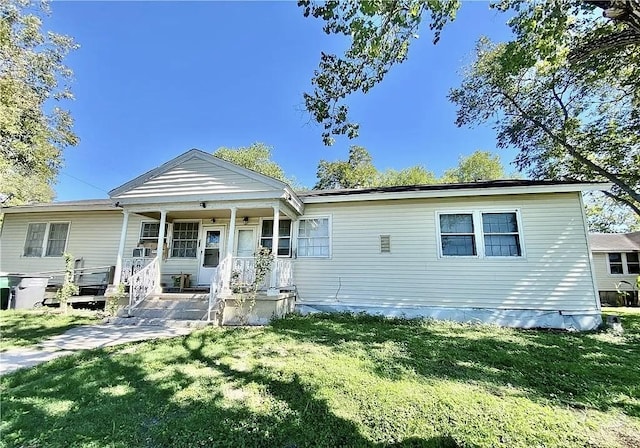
x,y
23,328
338,381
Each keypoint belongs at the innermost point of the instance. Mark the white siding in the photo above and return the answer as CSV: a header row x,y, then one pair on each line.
x,y
196,177
605,280
93,236
554,275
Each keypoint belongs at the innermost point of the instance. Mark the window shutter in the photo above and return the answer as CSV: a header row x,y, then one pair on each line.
x,y
385,244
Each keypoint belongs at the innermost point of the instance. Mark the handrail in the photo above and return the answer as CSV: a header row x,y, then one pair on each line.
x,y
217,286
143,283
93,270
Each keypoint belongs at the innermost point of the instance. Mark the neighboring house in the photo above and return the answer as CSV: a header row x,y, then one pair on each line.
x,y
616,259
512,252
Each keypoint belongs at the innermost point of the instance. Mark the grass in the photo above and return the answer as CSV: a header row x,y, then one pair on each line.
x,y
24,328
337,381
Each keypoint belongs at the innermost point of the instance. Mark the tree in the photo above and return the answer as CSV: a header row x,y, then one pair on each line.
x,y
414,175
256,157
381,33
604,215
481,165
567,124
355,172
34,131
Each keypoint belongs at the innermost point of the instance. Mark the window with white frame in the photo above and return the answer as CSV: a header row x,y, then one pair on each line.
x,y
48,238
501,237
184,243
313,237
624,263
284,236
481,234
149,231
457,236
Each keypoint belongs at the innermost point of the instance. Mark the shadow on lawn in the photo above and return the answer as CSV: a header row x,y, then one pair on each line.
x,y
98,398
580,370
23,329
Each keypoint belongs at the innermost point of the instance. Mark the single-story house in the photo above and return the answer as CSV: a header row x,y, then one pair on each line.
x,y
511,252
616,261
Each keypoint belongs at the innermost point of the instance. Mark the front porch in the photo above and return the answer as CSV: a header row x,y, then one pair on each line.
x,y
204,249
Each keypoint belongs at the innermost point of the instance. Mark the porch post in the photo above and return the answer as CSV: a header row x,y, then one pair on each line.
x,y
160,248
226,290
117,275
232,231
273,283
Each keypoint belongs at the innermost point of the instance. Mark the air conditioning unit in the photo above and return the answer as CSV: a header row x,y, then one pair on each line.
x,y
140,252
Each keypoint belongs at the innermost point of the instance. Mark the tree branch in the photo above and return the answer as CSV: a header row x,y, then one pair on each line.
x,y
574,152
624,200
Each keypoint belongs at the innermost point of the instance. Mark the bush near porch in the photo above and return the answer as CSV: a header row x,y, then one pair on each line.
x,y
337,381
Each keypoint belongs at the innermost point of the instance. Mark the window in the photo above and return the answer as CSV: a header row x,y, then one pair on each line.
x,y
284,236
185,240
501,237
313,237
481,234
35,239
49,239
149,232
457,235
615,263
633,264
624,263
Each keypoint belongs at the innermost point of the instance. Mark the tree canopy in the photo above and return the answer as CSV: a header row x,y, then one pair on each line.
x,y
381,33
256,157
481,165
358,171
34,81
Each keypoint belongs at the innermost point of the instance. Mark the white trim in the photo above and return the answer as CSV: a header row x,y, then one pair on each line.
x,y
478,233
329,217
170,243
45,239
53,207
266,218
445,193
592,268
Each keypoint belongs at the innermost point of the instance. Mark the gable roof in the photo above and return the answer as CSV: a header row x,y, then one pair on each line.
x,y
615,242
202,156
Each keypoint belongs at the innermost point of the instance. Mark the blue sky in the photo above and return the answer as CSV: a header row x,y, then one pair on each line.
x,y
154,79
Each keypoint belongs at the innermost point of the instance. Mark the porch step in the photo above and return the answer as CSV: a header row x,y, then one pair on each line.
x,y
188,307
181,296
158,322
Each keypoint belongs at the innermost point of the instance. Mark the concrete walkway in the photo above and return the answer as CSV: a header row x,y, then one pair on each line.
x,y
83,338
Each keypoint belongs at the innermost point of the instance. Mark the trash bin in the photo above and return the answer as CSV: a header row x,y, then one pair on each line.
x,y
28,291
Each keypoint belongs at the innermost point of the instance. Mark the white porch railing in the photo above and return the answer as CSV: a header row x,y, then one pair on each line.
x,y
217,286
143,283
131,266
243,272
284,272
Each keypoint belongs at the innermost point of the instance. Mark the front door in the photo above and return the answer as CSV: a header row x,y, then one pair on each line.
x,y
211,250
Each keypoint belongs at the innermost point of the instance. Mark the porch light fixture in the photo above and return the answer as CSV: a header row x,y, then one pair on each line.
x,y
213,220
245,219
203,204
